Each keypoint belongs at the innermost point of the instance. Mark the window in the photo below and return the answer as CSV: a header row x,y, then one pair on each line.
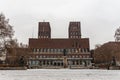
x,y
41,50
48,50
88,50
44,36
37,56
37,50
87,56
58,50
29,62
76,50
85,50
37,62
55,50
69,56
79,49
45,50
40,56
61,50
33,62
80,62
80,56
51,50
73,56
76,33
76,56
68,50
44,56
73,33
34,50
72,50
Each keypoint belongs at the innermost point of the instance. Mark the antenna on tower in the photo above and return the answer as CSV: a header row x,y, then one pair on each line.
x,y
33,32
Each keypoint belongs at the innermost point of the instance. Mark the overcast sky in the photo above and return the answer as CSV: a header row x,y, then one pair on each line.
x,y
99,18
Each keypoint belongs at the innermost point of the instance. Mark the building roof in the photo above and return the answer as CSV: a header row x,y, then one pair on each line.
x,y
59,43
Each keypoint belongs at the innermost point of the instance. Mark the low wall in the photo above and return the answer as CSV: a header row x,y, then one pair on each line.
x,y
13,68
114,67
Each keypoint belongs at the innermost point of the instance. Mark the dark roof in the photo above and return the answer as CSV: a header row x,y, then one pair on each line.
x,y
58,43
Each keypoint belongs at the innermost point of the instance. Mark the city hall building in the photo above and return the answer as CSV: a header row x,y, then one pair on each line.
x,y
71,52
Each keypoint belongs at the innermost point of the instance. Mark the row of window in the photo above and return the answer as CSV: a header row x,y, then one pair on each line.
x,y
61,50
73,56
77,62
75,36
75,33
43,36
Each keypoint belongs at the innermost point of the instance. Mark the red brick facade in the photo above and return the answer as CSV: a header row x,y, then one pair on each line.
x,y
59,43
44,30
67,52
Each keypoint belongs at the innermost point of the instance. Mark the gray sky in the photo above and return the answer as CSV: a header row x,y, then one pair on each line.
x,y
99,18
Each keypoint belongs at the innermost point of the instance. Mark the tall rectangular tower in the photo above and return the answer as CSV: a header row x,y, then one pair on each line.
x,y
74,30
44,30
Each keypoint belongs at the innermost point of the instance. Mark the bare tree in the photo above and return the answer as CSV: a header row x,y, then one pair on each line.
x,y
105,53
6,33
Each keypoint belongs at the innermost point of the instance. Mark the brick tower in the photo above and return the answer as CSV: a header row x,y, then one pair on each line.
x,y
74,30
44,30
